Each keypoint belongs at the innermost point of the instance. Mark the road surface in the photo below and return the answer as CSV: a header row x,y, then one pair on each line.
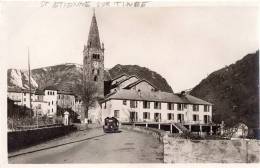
x,y
93,146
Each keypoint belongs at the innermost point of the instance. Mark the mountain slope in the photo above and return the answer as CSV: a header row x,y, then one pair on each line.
x,y
64,76
234,92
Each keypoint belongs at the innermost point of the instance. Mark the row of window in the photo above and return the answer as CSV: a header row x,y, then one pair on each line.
x,y
170,116
63,96
170,106
50,103
96,56
50,93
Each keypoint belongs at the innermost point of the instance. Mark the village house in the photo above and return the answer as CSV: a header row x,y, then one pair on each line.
x,y
78,107
46,101
156,106
39,106
66,99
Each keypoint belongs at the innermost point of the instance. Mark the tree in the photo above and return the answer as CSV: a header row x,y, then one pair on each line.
x,y
87,92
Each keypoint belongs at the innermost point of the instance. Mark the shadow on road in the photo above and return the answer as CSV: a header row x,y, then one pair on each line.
x,y
56,146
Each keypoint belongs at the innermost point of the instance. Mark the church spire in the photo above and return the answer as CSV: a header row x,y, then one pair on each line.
x,y
93,36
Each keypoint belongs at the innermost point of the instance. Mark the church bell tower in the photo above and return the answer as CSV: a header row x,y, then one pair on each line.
x,y
93,59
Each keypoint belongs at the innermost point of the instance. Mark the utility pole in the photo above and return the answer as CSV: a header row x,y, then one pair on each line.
x,y
30,87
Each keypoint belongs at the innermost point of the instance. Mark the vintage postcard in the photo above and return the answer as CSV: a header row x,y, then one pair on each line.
x,y
158,83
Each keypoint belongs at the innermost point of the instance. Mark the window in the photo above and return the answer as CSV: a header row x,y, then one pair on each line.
x,y
105,105
133,104
146,115
124,102
179,107
157,117
206,108
49,103
52,102
206,119
185,106
24,94
170,106
195,107
157,105
93,71
24,99
180,118
95,78
95,56
146,104
116,113
170,116
195,117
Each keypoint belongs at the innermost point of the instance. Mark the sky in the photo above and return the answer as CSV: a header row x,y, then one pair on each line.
x,y
182,43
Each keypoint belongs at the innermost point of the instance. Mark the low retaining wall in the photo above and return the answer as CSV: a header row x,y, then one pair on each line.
x,y
21,139
158,134
211,151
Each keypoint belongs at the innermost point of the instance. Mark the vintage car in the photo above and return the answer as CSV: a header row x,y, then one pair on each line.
x,y
111,124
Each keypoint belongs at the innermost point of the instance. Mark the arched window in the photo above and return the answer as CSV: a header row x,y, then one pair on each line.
x,y
95,78
93,71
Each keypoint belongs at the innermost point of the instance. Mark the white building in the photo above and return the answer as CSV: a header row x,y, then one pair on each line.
x,y
39,106
21,96
66,99
51,97
78,107
156,106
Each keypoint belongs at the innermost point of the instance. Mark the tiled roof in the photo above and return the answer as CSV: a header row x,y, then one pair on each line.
x,y
124,94
19,90
65,92
119,76
50,88
118,83
39,92
137,82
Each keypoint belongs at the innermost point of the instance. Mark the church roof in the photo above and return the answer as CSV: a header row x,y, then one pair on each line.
x,y
93,36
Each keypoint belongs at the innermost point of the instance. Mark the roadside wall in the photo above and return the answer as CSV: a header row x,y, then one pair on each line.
x,y
211,151
21,139
158,134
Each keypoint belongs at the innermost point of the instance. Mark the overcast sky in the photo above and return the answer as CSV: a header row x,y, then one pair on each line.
x,y
183,44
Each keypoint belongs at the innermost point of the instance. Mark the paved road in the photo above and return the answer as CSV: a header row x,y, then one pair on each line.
x,y
94,146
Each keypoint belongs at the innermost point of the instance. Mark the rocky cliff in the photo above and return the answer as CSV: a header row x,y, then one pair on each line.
x,y
234,92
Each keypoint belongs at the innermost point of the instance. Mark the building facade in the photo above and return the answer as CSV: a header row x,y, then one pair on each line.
x,y
65,99
157,106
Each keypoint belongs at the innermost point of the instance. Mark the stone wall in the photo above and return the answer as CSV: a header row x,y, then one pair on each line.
x,y
21,139
158,134
210,151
